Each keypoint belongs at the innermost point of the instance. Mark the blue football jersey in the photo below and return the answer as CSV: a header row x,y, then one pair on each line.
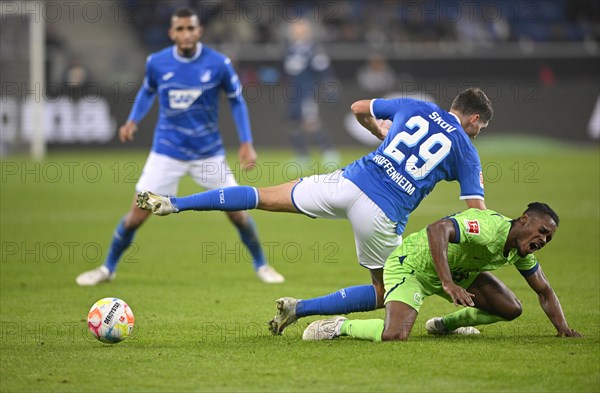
x,y
188,93
425,145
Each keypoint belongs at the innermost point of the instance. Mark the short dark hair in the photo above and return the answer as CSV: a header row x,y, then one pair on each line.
x,y
542,208
473,101
185,13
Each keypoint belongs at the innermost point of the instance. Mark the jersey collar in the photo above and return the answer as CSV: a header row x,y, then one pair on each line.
x,y
456,117
187,59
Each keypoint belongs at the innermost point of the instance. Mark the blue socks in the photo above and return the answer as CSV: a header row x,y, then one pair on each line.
x,y
224,199
249,236
122,238
344,301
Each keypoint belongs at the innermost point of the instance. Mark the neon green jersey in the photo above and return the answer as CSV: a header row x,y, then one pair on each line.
x,y
478,246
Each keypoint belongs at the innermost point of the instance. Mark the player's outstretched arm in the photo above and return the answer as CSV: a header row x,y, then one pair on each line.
x,y
439,234
550,303
362,111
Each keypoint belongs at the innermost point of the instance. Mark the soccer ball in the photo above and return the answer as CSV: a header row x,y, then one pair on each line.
x,y
110,320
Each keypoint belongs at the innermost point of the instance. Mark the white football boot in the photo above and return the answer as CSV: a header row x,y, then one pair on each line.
x,y
324,329
269,275
436,326
157,204
96,276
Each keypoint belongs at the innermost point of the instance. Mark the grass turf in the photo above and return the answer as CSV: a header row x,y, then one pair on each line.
x,y
201,313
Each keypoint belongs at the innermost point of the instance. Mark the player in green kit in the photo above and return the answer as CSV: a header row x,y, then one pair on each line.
x,y
452,258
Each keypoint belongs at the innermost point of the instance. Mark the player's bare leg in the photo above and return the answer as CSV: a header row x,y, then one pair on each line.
x,y
494,297
135,217
399,320
277,198
494,302
377,279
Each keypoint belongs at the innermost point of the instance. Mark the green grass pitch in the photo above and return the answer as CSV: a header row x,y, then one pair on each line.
x,y
200,312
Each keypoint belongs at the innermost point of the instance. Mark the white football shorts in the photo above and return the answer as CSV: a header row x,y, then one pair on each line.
x,y
335,197
161,174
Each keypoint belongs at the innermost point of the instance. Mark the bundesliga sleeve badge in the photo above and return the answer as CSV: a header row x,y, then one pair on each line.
x,y
472,227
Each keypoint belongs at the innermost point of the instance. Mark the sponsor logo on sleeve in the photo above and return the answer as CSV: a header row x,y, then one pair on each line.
x,y
472,227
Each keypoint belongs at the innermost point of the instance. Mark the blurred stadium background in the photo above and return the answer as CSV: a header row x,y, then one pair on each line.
x,y
537,60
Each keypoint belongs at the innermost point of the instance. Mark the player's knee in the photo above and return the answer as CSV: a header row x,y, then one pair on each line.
x,y
512,310
515,310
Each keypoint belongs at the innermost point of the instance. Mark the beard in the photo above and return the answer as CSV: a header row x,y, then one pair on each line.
x,y
188,52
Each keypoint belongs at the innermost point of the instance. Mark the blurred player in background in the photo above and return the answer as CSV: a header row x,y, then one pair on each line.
x,y
376,76
187,78
452,258
308,69
422,145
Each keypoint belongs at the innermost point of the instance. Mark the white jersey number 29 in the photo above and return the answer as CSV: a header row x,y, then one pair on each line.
x,y
431,160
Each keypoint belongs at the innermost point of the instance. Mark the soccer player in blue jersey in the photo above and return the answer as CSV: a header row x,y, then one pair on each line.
x,y
421,146
187,79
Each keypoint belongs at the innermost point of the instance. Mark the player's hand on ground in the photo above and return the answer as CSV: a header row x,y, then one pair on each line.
x,y
569,333
384,127
247,156
126,131
459,295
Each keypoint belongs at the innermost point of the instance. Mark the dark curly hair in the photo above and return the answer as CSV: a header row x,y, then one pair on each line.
x,y
542,208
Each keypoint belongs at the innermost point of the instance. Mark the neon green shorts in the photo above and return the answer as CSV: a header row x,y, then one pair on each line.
x,y
402,284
